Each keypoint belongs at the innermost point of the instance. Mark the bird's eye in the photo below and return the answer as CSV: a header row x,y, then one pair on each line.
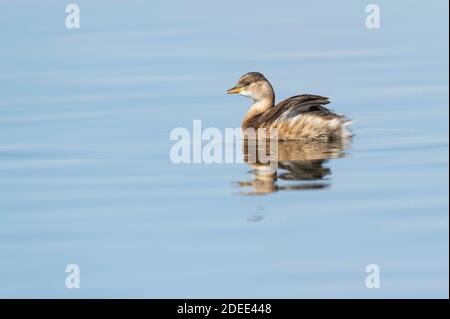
x,y
246,83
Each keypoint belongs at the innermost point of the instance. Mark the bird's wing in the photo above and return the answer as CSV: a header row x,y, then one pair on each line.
x,y
305,103
296,105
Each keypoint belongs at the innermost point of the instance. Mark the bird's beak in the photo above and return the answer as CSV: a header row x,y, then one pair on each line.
x,y
235,90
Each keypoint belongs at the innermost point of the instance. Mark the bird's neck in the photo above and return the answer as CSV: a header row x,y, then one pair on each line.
x,y
257,108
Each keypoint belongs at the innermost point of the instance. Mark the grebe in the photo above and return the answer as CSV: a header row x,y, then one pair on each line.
x,y
300,117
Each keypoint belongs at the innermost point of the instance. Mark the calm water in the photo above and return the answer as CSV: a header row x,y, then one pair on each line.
x,y
86,178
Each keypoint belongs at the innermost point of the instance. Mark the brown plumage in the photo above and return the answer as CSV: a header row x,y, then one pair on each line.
x,y
301,117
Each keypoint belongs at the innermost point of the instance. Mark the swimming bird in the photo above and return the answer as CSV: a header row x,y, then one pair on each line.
x,y
300,117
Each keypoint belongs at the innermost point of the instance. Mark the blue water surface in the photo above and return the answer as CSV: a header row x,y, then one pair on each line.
x,y
86,176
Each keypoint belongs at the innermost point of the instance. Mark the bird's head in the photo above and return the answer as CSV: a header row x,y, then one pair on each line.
x,y
253,85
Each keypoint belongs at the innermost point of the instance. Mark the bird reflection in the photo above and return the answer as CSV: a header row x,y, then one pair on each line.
x,y
302,164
